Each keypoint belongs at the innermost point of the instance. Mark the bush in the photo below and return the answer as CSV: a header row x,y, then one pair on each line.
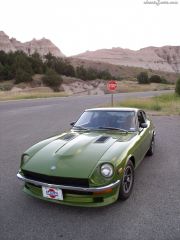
x,y
155,79
92,74
7,73
52,80
22,63
22,76
64,67
177,89
163,80
81,73
105,75
1,71
143,78
36,63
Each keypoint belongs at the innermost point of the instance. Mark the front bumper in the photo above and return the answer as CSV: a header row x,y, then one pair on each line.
x,y
78,196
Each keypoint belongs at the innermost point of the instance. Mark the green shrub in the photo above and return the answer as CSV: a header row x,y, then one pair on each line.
x,y
22,76
143,78
163,80
155,79
177,89
52,80
36,63
1,71
7,73
81,72
92,73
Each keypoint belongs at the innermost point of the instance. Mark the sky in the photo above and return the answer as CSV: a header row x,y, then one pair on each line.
x,y
76,26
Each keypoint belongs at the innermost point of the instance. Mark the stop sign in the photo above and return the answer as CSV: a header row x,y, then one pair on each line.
x,y
112,85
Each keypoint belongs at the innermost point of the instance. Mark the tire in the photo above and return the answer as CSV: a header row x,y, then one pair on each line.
x,y
150,152
127,181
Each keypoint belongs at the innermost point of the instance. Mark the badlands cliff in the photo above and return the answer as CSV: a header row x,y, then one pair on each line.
x,y
42,46
165,58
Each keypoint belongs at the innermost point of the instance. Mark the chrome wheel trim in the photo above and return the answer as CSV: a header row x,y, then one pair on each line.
x,y
127,179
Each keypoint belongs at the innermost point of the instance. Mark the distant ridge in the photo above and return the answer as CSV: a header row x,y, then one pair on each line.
x,y
42,46
165,58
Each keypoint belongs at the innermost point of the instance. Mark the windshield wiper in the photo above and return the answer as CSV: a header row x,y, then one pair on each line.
x,y
113,128
80,128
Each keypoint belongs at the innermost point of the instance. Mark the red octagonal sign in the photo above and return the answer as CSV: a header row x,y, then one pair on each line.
x,y
112,85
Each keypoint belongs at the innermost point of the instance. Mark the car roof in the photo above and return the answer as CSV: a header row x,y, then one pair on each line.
x,y
125,109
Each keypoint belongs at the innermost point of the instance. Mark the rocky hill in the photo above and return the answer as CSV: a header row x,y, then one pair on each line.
x,y
165,58
42,46
120,71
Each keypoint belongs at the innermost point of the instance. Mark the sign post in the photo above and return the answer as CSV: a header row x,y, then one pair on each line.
x,y
112,99
112,86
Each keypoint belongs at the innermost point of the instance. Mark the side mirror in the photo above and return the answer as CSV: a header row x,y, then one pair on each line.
x,y
72,124
143,125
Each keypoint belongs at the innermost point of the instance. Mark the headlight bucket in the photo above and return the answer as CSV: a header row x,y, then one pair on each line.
x,y
107,170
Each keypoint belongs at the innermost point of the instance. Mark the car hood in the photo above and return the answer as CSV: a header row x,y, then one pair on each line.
x,y
74,154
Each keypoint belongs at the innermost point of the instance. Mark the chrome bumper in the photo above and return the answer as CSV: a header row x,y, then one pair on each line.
x,y
82,189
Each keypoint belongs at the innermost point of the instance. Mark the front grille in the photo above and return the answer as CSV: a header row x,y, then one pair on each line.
x,y
67,191
76,182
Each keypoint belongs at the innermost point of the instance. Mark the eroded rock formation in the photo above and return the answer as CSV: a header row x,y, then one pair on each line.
x,y
42,46
165,58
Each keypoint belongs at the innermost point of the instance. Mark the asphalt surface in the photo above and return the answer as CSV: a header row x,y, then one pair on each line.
x,y
151,213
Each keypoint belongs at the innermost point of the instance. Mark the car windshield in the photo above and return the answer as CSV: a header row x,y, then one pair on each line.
x,y
110,120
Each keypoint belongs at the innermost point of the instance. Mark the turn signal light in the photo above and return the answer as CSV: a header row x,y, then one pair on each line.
x,y
103,192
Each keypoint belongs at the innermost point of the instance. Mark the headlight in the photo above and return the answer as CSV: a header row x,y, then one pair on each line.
x,y
107,170
24,159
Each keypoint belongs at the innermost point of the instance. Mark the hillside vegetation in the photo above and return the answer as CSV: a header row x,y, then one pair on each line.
x,y
21,68
30,71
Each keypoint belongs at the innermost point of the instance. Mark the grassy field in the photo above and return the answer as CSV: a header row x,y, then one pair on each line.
x,y
164,104
133,86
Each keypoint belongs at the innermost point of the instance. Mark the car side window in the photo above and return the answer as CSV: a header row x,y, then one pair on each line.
x,y
144,115
141,118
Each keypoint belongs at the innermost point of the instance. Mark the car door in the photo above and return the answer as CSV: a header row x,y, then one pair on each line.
x,y
143,140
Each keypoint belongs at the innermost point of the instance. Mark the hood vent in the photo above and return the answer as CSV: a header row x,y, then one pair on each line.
x,y
102,139
68,137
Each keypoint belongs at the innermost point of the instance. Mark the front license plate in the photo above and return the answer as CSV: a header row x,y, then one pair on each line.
x,y
52,193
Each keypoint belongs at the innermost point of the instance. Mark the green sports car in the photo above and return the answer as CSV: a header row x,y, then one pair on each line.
x,y
93,164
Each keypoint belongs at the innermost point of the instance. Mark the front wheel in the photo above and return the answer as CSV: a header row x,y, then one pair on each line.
x,y
127,181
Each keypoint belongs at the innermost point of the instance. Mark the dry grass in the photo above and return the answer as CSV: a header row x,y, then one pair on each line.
x,y
130,86
133,86
4,96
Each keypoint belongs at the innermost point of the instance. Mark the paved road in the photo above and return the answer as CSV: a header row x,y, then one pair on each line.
x,y
152,212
